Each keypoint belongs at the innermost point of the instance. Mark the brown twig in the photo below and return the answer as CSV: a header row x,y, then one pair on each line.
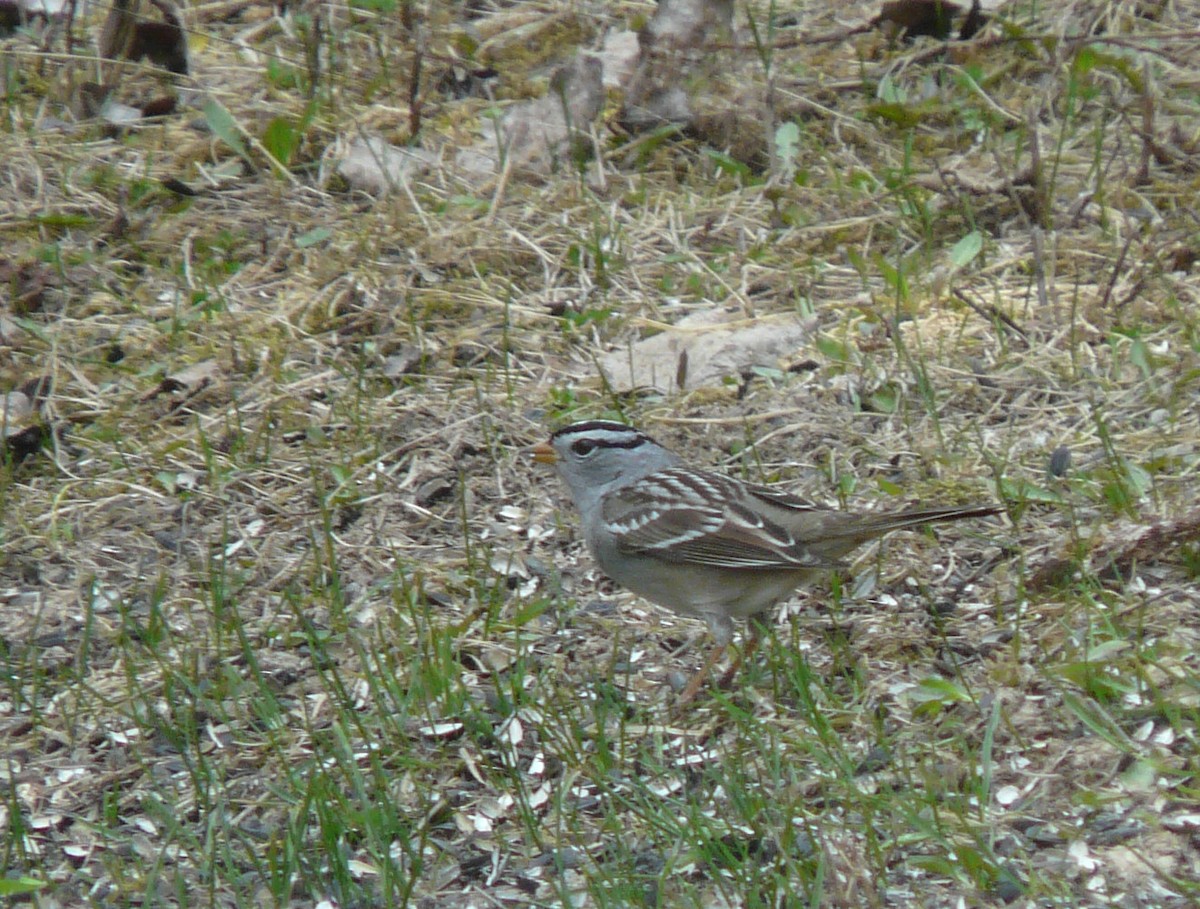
x,y
1118,559
992,314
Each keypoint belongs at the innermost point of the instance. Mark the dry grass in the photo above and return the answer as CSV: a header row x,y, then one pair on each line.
x,y
285,615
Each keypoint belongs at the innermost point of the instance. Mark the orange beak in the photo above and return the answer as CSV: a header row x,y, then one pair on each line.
x,y
543,453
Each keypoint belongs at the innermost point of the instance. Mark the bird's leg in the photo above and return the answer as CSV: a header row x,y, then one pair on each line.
x,y
747,651
694,683
721,627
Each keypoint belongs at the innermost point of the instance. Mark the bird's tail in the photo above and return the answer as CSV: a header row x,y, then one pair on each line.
x,y
869,527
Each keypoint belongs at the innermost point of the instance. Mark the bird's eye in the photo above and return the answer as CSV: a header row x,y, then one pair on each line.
x,y
583,447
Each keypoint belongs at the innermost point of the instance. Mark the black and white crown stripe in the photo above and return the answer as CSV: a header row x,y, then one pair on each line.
x,y
707,486
605,434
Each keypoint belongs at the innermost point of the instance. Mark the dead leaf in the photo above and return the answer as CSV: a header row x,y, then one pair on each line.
x,y
536,137
405,361
127,35
10,332
934,18
14,408
37,390
163,43
27,284
191,380
714,345
117,34
21,429
618,57
160,106
678,51
375,167
912,18
17,13
117,114
178,187
539,136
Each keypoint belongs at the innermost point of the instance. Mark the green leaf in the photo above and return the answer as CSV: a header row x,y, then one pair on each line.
x,y
469,202
280,140
731,166
890,274
1096,719
1138,478
787,144
889,92
939,690
1139,356
313,237
64,219
900,114
224,127
281,75
1106,649
14,886
1091,678
1089,58
884,399
846,485
1025,491
834,350
1141,775
652,141
966,249
768,372
935,864
887,486
531,611
1085,60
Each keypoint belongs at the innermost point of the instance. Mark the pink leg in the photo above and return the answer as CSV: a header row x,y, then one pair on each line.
x,y
694,683
747,651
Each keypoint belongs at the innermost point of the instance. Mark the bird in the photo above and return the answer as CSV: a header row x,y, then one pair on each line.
x,y
703,544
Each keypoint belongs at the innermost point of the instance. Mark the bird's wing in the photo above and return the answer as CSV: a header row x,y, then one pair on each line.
x,y
686,516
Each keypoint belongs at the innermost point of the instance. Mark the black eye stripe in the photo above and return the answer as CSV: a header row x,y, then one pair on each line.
x,y
603,434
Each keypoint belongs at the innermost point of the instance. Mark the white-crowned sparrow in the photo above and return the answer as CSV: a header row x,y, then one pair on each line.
x,y
703,544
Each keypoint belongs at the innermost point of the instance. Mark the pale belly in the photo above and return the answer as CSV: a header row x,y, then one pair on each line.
x,y
704,592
